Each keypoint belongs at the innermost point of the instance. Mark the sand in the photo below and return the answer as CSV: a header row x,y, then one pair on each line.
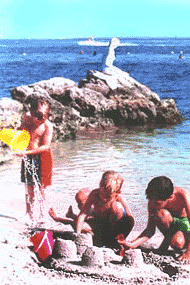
x,y
20,265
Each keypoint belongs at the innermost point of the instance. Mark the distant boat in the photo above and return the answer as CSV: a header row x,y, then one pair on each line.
x,y
92,42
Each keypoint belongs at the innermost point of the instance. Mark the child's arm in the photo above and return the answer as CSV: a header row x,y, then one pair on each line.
x,y
124,204
186,255
144,236
84,212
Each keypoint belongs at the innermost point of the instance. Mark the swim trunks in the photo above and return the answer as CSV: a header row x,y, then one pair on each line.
x,y
46,167
37,168
181,224
105,233
31,170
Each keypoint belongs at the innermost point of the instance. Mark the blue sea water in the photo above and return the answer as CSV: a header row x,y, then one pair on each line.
x,y
152,61
139,156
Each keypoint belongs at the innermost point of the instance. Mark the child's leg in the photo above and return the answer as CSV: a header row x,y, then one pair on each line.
x,y
120,223
117,212
66,221
42,192
70,213
164,221
120,220
29,199
178,241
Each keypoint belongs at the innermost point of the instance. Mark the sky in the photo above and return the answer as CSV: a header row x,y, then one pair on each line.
x,y
66,19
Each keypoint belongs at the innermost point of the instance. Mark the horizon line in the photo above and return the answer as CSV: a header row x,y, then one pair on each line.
x,y
129,37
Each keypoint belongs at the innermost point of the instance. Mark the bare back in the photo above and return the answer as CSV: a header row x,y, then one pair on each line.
x,y
178,204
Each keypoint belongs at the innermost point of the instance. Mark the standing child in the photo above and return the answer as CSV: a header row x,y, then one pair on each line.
x,y
37,160
169,210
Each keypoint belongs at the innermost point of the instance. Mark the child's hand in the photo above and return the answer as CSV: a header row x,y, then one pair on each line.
x,y
184,257
120,237
123,243
52,213
20,153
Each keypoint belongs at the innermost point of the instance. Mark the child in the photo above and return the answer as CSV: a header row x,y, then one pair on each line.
x,y
37,162
111,214
70,218
169,210
81,198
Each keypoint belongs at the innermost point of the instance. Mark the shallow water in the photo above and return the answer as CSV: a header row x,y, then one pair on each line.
x,y
137,156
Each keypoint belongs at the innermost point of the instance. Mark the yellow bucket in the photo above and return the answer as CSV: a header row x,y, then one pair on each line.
x,y
17,140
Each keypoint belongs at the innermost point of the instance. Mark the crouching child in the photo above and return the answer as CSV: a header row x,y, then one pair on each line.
x,y
169,210
111,215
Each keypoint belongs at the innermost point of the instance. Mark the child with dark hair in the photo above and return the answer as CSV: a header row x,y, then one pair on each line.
x,y
169,210
160,188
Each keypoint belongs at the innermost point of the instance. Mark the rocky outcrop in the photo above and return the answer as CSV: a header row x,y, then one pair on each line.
x,y
101,101
10,112
10,116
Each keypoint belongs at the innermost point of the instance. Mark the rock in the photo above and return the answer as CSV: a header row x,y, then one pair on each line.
x,y
89,102
101,101
10,113
93,256
6,104
53,86
65,249
83,241
133,257
167,112
95,84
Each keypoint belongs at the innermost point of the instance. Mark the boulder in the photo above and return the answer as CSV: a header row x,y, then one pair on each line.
x,y
101,101
10,117
53,86
10,113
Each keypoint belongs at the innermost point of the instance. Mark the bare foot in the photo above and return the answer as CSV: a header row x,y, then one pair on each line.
x,y
70,213
52,213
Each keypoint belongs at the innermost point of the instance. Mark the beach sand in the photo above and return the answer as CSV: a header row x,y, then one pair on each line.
x,y
19,264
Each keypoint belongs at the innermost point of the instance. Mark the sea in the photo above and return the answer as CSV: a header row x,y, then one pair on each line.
x,y
138,154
